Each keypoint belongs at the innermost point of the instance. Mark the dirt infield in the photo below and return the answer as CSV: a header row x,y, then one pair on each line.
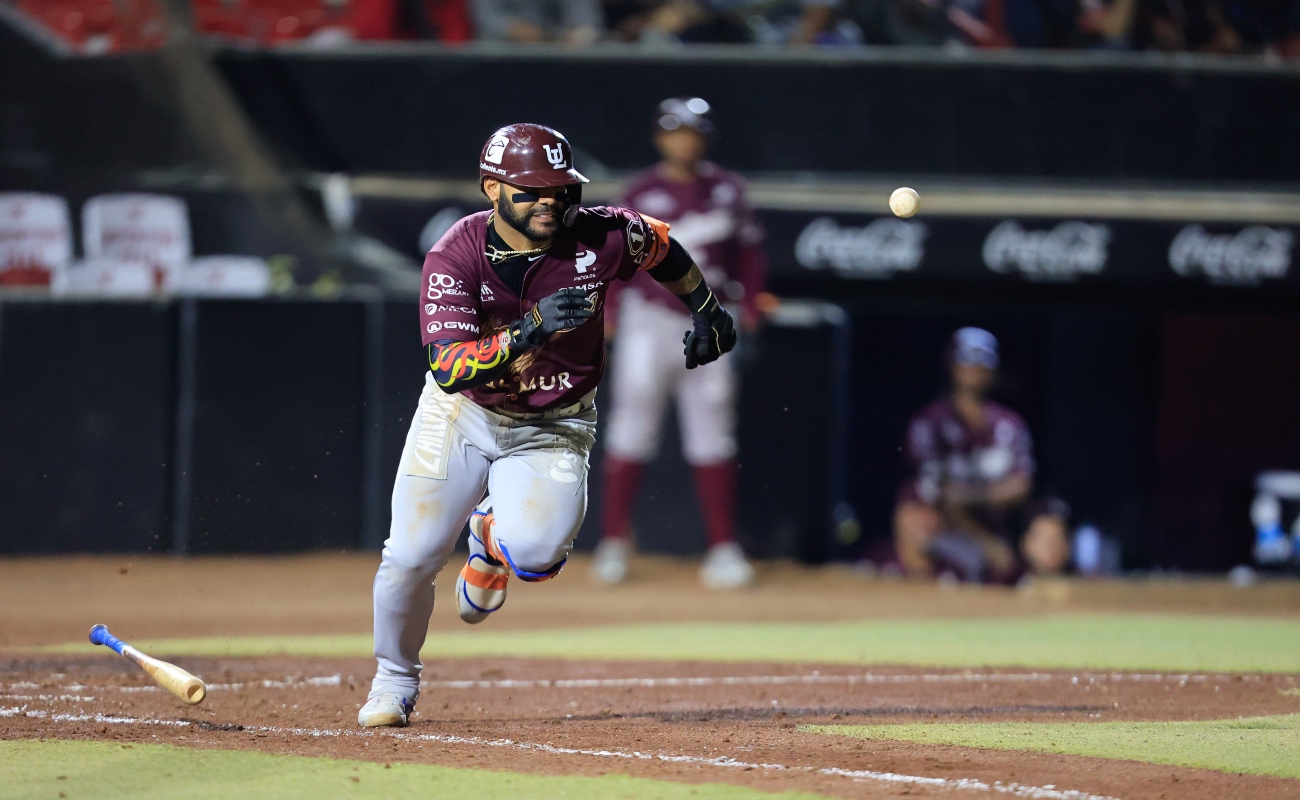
x,y
689,722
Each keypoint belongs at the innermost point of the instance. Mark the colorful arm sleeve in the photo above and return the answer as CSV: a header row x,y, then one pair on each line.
x,y
457,366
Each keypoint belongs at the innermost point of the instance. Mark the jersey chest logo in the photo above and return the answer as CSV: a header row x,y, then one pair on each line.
x,y
585,260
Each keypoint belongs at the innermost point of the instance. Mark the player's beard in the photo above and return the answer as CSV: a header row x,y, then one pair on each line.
x,y
535,232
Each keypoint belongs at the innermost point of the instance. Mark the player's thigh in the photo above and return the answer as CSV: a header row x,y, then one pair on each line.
x,y
644,372
706,406
539,493
440,478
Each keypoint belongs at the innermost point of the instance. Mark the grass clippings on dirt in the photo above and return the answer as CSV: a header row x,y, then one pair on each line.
x,y
1070,641
1254,746
106,771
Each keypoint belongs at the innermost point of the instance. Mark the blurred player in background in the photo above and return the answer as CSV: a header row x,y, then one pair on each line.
x,y
973,477
510,317
707,208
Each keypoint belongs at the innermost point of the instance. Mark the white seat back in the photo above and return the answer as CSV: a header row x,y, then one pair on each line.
x,y
107,277
225,276
35,238
151,228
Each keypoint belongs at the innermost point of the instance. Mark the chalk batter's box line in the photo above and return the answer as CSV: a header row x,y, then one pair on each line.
x,y
740,680
858,776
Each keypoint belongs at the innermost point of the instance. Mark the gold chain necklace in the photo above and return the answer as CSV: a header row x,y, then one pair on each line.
x,y
497,255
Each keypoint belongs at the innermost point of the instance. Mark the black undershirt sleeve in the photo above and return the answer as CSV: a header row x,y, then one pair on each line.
x,y
675,265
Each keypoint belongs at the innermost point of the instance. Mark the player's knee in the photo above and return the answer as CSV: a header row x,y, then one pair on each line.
x,y
702,451
535,561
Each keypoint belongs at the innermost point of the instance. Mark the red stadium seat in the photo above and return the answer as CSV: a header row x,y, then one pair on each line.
x,y
100,26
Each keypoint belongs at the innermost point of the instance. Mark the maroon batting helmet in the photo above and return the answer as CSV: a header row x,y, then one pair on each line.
x,y
528,155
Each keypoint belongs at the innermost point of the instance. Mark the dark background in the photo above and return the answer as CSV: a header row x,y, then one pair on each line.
x,y
1153,399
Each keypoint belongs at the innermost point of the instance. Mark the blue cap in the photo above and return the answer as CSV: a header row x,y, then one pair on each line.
x,y
975,347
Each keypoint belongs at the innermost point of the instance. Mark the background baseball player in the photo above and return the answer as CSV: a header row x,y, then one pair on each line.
x,y
508,403
973,479
709,214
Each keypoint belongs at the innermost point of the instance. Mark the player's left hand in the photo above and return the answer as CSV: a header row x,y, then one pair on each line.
x,y
713,334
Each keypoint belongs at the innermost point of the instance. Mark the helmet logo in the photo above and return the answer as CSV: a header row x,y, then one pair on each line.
x,y
556,156
496,148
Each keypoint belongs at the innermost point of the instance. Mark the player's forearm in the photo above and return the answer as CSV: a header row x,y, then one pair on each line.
x,y
678,274
457,366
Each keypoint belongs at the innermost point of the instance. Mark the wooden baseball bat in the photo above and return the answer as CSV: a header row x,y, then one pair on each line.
x,y
169,676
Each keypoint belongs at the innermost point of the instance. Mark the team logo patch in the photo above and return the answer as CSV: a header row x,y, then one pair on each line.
x,y
555,156
636,236
496,149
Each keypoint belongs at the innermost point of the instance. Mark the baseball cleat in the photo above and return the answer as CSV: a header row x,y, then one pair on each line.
x,y
388,709
481,585
609,562
725,567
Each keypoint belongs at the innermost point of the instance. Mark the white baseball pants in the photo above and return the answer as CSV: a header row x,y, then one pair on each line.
x,y
534,471
648,366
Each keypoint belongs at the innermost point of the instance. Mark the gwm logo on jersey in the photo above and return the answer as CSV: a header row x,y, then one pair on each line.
x,y
436,326
1247,257
878,250
1064,253
554,154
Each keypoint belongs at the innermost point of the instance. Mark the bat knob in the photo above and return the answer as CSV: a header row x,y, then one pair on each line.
x,y
99,634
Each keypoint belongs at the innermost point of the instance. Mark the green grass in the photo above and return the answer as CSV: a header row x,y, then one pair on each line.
x,y
1071,641
106,771
1256,746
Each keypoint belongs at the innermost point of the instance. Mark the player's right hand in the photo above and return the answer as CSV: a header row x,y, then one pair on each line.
x,y
562,311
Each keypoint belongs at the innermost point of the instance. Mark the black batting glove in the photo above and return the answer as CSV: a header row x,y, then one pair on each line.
x,y
562,311
713,334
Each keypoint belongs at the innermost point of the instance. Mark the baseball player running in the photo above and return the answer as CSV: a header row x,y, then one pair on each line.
x,y
707,208
508,409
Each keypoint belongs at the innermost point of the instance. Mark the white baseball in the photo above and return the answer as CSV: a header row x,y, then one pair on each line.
x,y
904,202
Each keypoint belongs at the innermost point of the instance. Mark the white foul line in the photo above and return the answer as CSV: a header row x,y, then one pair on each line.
x,y
815,678
1013,789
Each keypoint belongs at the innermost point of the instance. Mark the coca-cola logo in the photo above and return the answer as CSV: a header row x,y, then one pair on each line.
x,y
876,250
1248,256
1063,253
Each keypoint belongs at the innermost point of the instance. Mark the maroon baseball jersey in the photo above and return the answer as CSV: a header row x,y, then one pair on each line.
x,y
463,299
940,447
711,218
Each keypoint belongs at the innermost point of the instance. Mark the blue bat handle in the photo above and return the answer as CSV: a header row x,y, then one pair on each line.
x,y
100,635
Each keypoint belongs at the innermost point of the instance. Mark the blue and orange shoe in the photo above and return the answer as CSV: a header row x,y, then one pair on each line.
x,y
481,585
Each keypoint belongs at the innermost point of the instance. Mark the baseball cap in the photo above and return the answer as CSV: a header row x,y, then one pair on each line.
x,y
684,112
975,347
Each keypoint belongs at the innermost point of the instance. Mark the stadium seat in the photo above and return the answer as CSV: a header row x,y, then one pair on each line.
x,y
100,26
35,238
225,276
107,277
149,228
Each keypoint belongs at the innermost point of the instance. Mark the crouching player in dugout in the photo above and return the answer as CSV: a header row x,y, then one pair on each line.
x,y
511,319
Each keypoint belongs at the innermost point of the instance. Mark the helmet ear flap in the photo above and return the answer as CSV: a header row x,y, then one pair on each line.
x,y
573,204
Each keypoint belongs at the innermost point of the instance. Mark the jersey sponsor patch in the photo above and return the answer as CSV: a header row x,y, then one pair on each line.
x,y
436,326
456,310
442,285
429,449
